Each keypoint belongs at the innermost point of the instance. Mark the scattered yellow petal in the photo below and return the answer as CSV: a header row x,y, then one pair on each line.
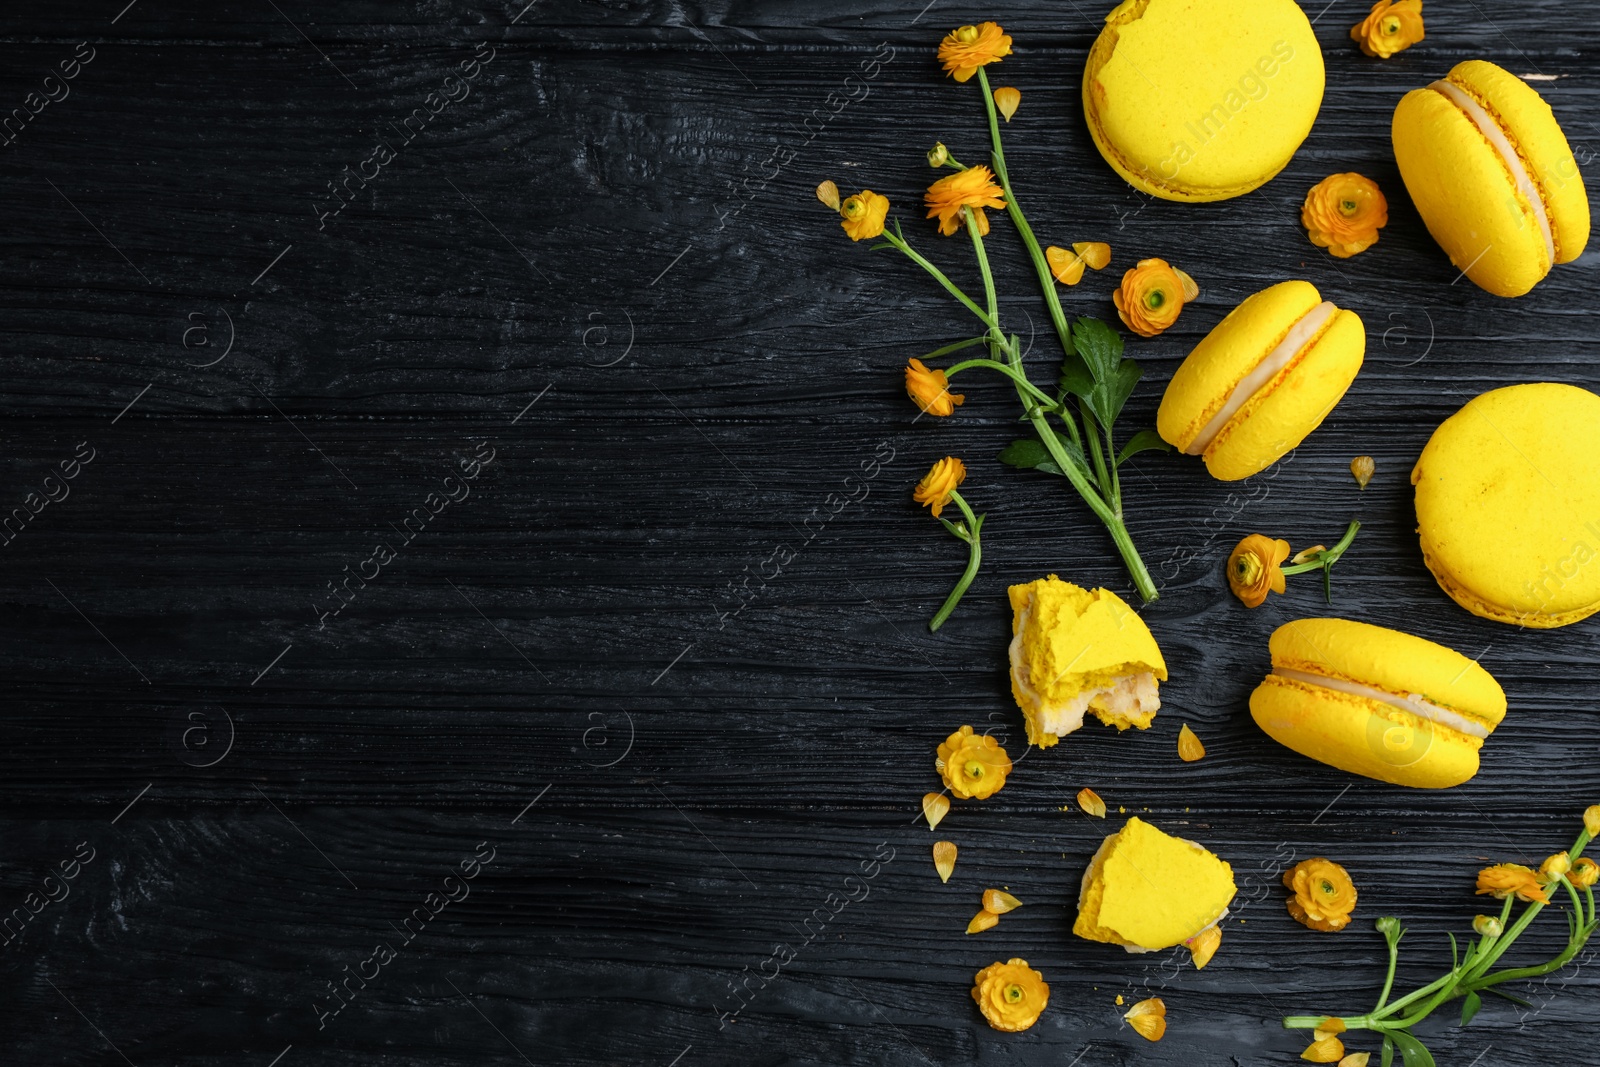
x,y
1066,266
1190,288
1330,1025
999,902
1119,1000
1148,1018
1356,1059
1203,946
1095,253
982,921
828,193
1189,746
935,806
1091,803
1006,99
1325,1050
944,859
1363,467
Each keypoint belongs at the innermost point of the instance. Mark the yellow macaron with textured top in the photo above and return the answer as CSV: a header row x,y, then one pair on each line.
x,y
1147,890
1508,505
1073,651
1492,176
1377,702
1201,100
1262,379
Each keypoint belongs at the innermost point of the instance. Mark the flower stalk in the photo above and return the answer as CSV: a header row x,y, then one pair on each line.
x,y
1470,973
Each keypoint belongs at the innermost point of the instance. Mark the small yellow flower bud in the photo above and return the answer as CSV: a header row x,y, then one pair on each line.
x,y
1486,926
967,34
1591,820
1585,873
1554,867
828,193
938,155
1363,467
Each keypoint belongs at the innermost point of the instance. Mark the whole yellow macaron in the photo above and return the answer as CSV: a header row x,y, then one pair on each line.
x,y
1508,505
1201,100
1377,702
1262,379
1492,176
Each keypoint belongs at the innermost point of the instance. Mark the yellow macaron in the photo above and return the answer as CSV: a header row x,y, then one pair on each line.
x,y
1147,890
1508,505
1492,176
1377,702
1198,100
1073,651
1262,379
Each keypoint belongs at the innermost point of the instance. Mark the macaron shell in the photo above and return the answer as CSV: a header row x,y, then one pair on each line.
x,y
1285,410
1363,736
1508,505
1390,660
1233,348
1466,195
1531,124
1195,100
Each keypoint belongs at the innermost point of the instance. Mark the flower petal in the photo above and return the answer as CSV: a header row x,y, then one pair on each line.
x,y
1148,1018
1091,803
828,193
944,858
1189,746
1191,289
1095,253
1006,99
935,806
1328,1050
1203,946
999,902
984,920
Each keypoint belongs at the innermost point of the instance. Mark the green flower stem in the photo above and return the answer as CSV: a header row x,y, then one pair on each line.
x,y
974,524
998,339
939,276
1041,265
1021,380
1388,981
1096,458
1327,557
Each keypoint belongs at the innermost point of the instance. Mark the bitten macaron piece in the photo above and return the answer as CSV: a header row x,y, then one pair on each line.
x,y
1147,890
1508,505
1074,651
1377,702
1492,176
1199,100
1262,379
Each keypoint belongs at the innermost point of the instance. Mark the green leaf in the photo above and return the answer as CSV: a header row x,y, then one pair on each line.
x,y
1455,960
959,531
1470,1007
1108,396
1388,1051
1508,996
1413,1053
1098,346
958,346
1028,453
1143,441
1076,378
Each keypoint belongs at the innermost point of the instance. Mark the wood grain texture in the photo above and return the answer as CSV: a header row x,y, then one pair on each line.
x,y
675,357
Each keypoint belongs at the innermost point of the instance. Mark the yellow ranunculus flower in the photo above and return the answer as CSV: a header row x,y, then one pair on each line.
x,y
1504,879
1151,295
1392,26
930,390
1011,995
864,214
966,49
1585,873
941,480
1551,870
1591,820
1254,567
1343,213
974,188
972,765
1324,895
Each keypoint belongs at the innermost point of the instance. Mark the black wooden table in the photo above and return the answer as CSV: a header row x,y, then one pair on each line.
x,y
440,577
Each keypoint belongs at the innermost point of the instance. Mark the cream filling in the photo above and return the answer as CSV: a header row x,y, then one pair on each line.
x,y
1411,702
1508,154
1128,696
1309,325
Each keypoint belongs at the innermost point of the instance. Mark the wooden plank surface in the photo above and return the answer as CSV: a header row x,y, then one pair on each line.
x,y
586,270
